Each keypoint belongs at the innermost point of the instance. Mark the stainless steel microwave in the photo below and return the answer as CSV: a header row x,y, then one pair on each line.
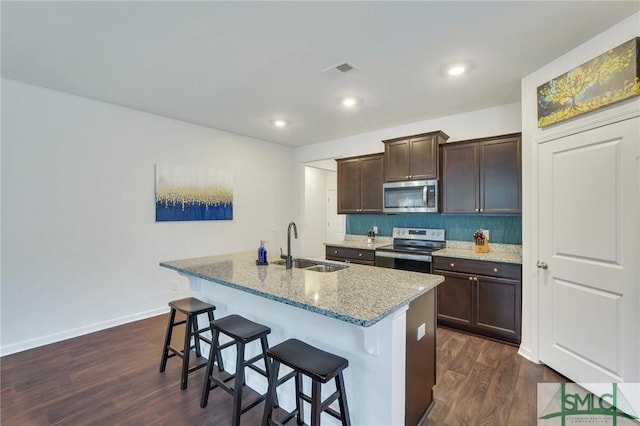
x,y
417,196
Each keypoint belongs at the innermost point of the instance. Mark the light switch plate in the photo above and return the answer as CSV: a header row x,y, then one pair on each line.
x,y
375,230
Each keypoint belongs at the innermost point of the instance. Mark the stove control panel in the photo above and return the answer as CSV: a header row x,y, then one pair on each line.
x,y
428,234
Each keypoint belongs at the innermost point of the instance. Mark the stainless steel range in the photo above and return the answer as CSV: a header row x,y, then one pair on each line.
x,y
411,249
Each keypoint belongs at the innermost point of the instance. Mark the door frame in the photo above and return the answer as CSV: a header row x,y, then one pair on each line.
x,y
328,208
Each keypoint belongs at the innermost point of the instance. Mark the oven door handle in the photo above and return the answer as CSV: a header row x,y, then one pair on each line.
x,y
404,256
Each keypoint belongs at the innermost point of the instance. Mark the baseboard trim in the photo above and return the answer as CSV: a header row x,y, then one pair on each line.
x,y
80,331
526,353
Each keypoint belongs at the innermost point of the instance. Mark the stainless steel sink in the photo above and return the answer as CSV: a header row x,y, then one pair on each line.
x,y
325,267
312,265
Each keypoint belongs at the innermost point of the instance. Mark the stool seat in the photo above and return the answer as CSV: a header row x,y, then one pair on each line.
x,y
315,363
320,366
242,332
191,308
240,328
191,305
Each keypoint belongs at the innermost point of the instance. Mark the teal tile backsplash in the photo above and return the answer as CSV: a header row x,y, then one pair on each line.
x,y
502,229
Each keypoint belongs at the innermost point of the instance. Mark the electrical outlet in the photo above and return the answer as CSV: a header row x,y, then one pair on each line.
x,y
421,331
486,234
175,285
375,230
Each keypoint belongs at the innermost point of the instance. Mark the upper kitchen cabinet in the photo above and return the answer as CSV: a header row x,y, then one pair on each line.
x,y
360,184
412,157
482,176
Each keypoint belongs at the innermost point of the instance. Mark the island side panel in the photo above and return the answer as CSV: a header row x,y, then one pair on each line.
x,y
421,357
375,378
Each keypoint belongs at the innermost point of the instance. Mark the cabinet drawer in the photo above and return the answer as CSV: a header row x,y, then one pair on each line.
x,y
477,267
349,254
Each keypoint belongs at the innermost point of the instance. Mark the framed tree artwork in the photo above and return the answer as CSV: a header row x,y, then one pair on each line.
x,y
604,80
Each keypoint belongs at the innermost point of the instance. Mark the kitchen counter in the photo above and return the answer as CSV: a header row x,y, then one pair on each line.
x,y
359,294
492,256
376,318
360,244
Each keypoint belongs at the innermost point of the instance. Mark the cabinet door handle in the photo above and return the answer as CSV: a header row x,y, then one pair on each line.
x,y
477,210
495,269
359,254
453,265
481,210
475,278
542,265
470,278
335,252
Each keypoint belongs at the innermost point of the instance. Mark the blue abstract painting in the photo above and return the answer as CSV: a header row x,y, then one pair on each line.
x,y
188,194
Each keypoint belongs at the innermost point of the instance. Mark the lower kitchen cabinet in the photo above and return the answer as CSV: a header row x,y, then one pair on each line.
x,y
349,254
480,296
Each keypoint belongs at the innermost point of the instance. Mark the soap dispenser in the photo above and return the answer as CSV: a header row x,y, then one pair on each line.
x,y
262,254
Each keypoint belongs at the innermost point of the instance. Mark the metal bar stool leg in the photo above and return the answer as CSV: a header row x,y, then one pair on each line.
x,y
167,341
237,396
196,335
316,402
186,352
219,354
342,401
299,401
265,347
271,392
213,353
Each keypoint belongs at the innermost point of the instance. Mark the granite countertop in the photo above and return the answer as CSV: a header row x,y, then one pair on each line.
x,y
359,294
492,256
360,244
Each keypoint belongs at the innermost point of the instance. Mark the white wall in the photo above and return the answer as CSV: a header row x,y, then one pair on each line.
x,y
315,217
80,246
616,35
317,181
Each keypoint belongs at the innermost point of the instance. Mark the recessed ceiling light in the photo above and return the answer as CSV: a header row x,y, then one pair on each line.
x,y
279,123
350,101
457,70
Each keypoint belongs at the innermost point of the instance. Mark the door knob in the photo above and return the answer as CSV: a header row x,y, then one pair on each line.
x,y
542,265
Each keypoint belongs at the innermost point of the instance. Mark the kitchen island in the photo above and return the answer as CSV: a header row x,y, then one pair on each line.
x,y
360,313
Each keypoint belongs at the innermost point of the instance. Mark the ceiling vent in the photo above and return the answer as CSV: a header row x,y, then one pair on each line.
x,y
340,69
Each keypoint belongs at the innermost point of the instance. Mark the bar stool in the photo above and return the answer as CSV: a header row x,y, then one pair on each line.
x,y
191,308
316,364
242,331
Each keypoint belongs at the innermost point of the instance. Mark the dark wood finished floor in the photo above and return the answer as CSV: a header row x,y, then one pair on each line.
x,y
483,382
111,378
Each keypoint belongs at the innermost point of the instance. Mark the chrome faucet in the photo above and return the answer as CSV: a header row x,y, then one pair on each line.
x,y
289,260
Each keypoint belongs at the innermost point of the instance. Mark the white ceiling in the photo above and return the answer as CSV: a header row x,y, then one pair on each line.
x,y
236,66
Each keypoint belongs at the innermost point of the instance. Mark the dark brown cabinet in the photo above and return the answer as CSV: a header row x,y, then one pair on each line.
x,y
482,176
360,184
350,254
412,157
480,296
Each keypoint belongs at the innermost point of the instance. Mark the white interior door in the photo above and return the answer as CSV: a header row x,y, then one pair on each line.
x,y
335,221
589,214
